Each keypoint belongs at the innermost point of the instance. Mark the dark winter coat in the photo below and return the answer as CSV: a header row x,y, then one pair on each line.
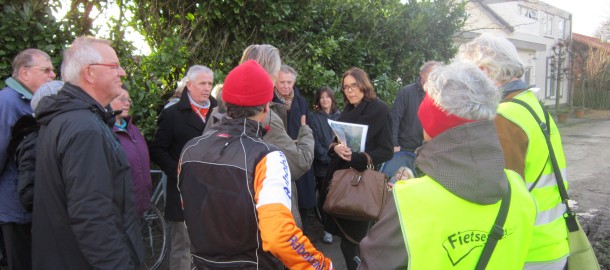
x,y
323,136
136,149
177,124
378,145
407,131
85,214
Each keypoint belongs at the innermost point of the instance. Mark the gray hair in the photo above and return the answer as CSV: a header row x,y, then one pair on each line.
x,y
288,69
25,58
195,70
265,55
80,54
428,65
462,89
494,54
46,89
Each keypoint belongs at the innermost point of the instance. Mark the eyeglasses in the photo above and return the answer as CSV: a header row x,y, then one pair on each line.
x,y
113,66
350,87
46,70
125,100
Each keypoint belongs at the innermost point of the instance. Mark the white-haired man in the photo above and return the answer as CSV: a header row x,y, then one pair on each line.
x,y
524,146
178,124
31,68
84,214
464,170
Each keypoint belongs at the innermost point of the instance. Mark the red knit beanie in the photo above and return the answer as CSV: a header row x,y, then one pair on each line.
x,y
435,120
247,85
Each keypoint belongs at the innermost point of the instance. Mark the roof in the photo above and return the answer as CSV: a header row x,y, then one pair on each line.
x,y
590,41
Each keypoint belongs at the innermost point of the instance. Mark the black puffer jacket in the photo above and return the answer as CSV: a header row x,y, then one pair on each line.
x,y
85,212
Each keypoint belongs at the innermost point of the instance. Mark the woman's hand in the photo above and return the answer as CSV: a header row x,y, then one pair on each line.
x,y
344,152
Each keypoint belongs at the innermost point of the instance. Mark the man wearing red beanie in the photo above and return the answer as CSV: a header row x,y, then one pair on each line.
x,y
236,190
445,219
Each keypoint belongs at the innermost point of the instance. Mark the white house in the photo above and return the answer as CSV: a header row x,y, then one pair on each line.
x,y
538,30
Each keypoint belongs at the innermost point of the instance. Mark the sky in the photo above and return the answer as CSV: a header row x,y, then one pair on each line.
x,y
587,15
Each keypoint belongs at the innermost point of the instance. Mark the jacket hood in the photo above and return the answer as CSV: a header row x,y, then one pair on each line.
x,y
70,98
468,161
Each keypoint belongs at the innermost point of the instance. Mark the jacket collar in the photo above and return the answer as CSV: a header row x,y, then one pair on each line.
x,y
513,86
18,87
185,103
242,126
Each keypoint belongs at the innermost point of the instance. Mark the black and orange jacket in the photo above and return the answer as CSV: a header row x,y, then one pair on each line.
x,y
236,194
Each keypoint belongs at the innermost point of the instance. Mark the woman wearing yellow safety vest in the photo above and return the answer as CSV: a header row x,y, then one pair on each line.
x,y
525,148
445,219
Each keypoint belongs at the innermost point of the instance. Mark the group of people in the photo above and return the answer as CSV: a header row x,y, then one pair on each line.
x,y
245,168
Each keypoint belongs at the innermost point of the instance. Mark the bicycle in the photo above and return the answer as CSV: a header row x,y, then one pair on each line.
x,y
153,227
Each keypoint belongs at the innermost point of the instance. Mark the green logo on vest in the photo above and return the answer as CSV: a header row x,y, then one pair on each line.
x,y
460,244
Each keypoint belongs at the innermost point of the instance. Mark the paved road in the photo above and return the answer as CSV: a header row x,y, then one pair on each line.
x,y
586,145
587,148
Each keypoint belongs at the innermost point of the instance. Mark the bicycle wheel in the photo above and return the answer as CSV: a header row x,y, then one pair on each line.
x,y
154,234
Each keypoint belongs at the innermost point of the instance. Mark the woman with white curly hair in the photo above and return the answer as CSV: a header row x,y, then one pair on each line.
x,y
524,146
444,219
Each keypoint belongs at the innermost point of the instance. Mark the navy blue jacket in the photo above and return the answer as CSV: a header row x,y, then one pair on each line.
x,y
14,103
323,136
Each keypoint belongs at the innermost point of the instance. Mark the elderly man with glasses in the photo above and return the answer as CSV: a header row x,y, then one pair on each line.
x,y
31,68
85,214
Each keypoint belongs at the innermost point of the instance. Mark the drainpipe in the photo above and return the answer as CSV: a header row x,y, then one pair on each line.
x,y
570,64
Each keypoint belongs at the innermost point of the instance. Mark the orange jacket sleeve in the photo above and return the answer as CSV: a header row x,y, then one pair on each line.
x,y
279,232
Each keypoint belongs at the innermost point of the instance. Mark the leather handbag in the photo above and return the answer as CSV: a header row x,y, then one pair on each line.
x,y
582,256
357,195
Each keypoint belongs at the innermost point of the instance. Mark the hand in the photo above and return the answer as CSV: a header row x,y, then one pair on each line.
x,y
344,152
396,149
303,120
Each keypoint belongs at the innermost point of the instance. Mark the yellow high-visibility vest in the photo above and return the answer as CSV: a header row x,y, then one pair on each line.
x,y
549,247
444,231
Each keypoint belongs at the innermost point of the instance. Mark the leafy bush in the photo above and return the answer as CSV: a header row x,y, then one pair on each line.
x,y
29,24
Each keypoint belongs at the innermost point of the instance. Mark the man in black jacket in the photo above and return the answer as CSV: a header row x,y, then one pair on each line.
x,y
84,215
407,133
177,125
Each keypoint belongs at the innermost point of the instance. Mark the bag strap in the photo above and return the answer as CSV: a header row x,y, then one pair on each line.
x,y
496,233
347,237
570,216
369,161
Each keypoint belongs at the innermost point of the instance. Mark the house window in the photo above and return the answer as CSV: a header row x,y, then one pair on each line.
x,y
528,12
560,28
548,27
551,79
